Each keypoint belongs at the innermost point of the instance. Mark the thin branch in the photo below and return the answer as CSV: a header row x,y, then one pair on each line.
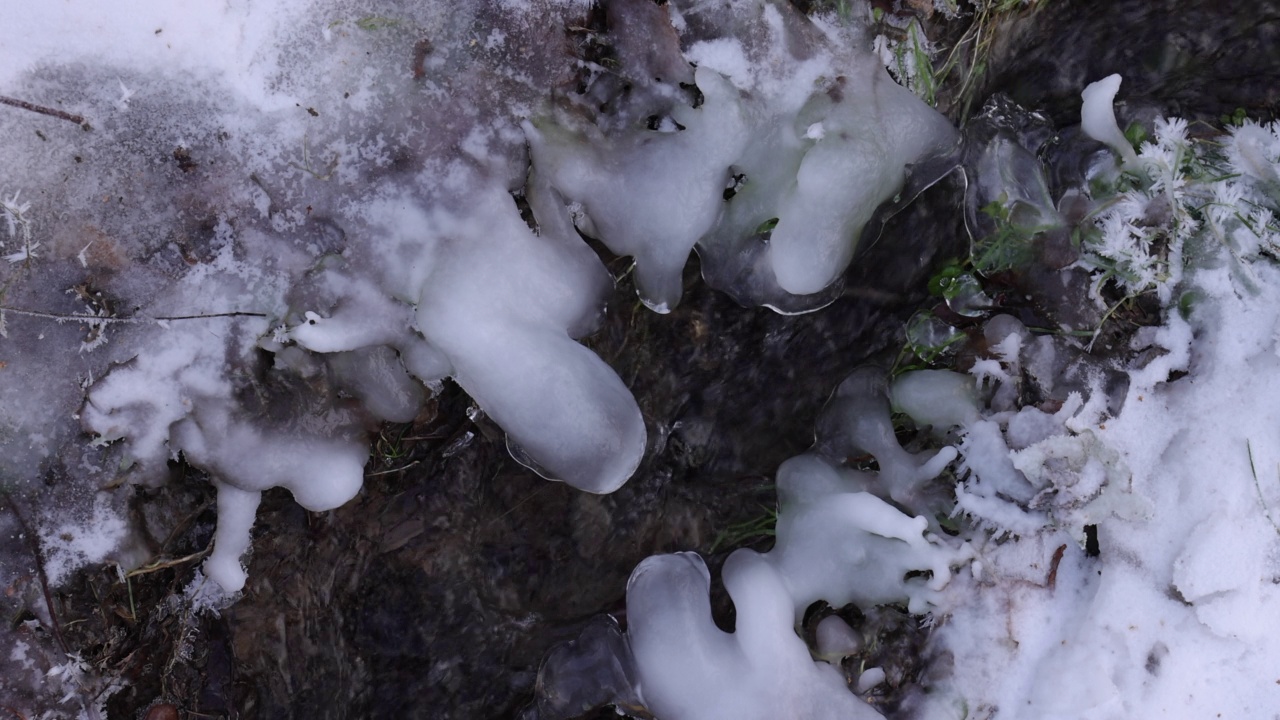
x,y
34,544
51,112
101,319
163,564
392,470
1258,486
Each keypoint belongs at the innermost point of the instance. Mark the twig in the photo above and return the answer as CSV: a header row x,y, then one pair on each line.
x,y
392,470
522,501
1052,580
34,546
1105,317
1258,486
163,564
99,319
23,104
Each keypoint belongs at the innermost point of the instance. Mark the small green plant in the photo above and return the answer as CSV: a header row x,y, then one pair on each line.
x,y
905,51
956,284
767,226
978,39
740,533
1235,119
1136,134
1011,245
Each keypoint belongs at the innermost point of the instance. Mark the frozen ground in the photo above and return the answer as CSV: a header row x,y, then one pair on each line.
x,y
255,295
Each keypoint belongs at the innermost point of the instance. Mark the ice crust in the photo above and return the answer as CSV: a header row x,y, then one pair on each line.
x,y
280,225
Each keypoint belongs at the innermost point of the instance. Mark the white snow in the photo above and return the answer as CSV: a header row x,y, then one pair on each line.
x,y
74,542
235,40
1175,617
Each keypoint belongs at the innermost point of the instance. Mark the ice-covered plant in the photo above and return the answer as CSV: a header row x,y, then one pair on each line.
x,y
908,55
1176,190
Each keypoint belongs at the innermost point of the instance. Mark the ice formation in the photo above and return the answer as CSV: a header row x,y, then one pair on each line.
x,y
688,668
368,279
838,541
1098,117
495,307
797,140
1074,573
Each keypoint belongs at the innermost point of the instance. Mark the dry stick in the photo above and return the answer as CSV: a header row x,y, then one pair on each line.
x,y
34,545
77,119
163,564
103,319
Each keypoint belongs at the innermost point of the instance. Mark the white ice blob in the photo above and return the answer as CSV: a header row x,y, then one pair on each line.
x,y
649,194
1098,117
177,399
872,129
691,670
503,305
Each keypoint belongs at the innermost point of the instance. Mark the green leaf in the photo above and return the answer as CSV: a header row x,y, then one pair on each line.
x,y
767,226
1136,135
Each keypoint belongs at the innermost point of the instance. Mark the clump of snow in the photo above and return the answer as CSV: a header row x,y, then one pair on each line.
x,y
857,421
936,398
71,543
834,639
846,547
504,306
177,399
651,195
